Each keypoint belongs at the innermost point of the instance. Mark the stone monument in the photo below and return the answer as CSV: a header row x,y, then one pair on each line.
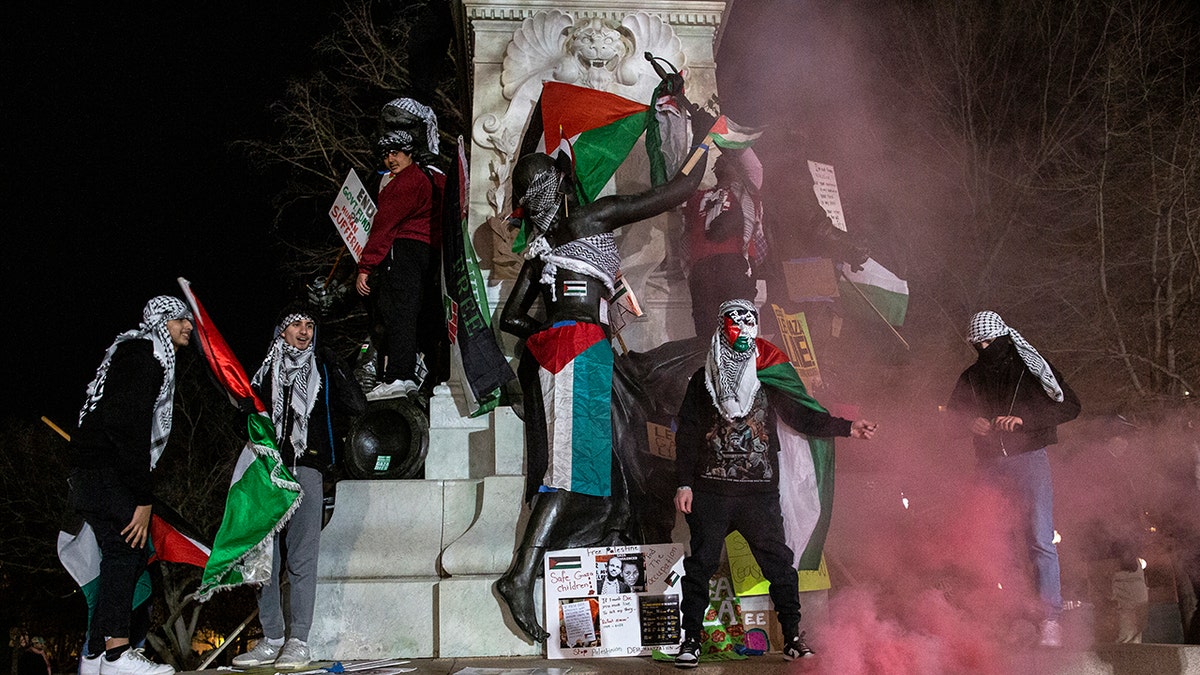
x,y
407,567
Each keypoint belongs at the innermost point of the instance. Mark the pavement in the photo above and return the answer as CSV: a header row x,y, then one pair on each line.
x,y
1139,659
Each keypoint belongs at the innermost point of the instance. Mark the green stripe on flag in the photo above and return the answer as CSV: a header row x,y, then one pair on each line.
x,y
599,151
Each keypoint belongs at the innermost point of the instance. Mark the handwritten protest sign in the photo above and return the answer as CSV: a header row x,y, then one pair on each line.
x,y
613,601
352,212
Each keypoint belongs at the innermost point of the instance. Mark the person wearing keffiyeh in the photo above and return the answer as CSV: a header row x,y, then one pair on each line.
x,y
399,263
1012,401
123,428
308,394
727,459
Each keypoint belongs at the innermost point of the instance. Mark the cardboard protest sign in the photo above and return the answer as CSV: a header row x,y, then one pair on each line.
x,y
797,343
613,601
352,212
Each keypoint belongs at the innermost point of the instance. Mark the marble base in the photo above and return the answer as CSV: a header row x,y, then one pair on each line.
x,y
374,619
473,621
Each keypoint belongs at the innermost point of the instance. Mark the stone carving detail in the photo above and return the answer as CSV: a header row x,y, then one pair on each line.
x,y
592,52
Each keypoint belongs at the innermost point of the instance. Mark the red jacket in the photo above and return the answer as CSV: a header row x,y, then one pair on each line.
x,y
409,208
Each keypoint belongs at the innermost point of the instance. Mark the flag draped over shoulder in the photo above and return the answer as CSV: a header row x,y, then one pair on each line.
x,y
262,493
885,291
598,128
805,465
468,316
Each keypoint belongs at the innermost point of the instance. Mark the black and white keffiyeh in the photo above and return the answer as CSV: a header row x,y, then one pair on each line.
x,y
155,316
596,256
288,366
399,107
732,376
988,325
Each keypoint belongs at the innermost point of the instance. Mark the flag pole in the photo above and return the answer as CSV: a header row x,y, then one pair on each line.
x,y
872,306
55,427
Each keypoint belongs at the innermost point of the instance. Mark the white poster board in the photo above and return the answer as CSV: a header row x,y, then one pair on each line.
x,y
614,601
825,187
352,212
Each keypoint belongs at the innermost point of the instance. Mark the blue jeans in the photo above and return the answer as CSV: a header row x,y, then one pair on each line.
x,y
1025,478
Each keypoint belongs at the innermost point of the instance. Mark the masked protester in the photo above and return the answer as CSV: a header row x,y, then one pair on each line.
x,y
123,429
727,459
1013,400
308,393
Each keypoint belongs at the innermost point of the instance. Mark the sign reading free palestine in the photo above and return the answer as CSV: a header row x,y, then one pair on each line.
x,y
352,212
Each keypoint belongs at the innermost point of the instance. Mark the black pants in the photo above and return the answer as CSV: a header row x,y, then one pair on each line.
x,y
107,505
405,307
758,518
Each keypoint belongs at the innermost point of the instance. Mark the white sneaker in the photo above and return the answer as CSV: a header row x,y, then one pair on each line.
x,y
294,655
90,666
396,389
1051,633
133,662
262,654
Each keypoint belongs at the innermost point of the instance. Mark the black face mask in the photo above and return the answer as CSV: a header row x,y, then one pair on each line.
x,y
999,352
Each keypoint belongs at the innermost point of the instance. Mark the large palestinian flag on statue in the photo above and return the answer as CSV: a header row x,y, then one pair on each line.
x,y
262,493
598,128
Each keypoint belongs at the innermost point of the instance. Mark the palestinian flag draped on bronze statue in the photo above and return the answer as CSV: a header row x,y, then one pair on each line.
x,y
263,494
468,316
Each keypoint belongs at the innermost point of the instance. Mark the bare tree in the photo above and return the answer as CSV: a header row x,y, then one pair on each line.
x,y
1064,136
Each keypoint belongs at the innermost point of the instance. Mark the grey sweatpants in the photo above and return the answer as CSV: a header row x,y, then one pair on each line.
x,y
302,537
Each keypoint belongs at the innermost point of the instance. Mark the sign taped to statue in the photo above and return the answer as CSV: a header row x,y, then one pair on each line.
x,y
613,601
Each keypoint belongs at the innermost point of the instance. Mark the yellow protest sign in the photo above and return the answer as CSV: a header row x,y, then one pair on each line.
x,y
797,343
748,578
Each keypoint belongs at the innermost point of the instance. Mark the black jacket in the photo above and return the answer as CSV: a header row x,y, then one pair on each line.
x,y
340,391
741,457
116,435
1001,384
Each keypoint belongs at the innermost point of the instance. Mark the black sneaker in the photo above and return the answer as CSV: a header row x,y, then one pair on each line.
x,y
689,653
794,648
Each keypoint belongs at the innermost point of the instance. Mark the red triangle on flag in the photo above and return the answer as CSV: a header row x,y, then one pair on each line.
x,y
569,110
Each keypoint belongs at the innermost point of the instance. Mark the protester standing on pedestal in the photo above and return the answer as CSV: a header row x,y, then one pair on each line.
x,y
307,390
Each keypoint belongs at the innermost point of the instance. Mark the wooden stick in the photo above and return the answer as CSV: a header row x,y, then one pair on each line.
x,y
696,155
335,264
228,639
55,427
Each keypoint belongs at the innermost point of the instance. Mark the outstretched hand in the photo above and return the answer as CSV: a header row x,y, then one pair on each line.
x,y
863,429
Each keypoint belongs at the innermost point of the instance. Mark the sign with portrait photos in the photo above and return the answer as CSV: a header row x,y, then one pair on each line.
x,y
613,601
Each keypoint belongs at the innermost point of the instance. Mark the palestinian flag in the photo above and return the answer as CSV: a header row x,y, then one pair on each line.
x,y
468,316
80,554
575,363
597,128
729,135
805,464
262,493
875,284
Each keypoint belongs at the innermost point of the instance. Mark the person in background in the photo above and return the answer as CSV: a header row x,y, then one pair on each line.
x,y
1012,401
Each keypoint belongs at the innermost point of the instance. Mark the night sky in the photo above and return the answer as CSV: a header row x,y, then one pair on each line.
x,y
119,176
119,173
